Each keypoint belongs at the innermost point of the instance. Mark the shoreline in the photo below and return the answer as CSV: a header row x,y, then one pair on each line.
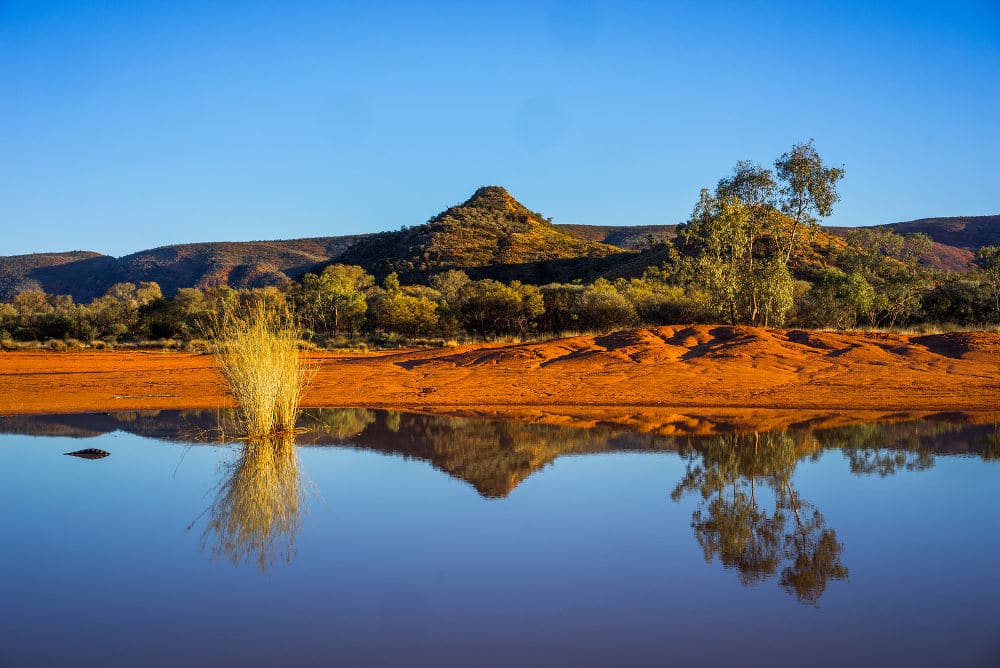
x,y
644,376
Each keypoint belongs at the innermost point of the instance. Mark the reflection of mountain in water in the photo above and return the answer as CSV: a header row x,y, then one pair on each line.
x,y
749,515
494,456
185,426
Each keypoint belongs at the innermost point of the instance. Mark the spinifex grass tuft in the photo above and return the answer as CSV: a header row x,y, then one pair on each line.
x,y
257,347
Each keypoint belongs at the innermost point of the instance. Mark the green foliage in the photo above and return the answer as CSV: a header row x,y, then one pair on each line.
x,y
890,263
491,307
988,260
960,299
773,291
491,228
750,253
807,190
407,313
335,300
723,247
836,299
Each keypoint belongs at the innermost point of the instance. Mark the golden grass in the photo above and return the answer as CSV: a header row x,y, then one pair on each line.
x,y
257,347
922,329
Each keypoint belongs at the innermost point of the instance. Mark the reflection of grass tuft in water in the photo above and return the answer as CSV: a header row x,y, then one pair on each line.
x,y
258,351
256,514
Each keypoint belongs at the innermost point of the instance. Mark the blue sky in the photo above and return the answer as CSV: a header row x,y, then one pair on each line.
x,y
130,125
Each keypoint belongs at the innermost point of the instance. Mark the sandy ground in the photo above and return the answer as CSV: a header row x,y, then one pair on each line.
x,y
650,379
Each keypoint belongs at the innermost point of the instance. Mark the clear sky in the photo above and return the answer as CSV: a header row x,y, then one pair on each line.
x,y
127,125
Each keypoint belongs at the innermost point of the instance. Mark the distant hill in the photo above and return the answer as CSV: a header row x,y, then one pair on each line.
x,y
968,232
73,272
490,235
489,230
246,264
956,239
629,237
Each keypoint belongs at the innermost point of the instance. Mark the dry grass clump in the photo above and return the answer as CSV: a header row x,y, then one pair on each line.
x,y
921,329
257,347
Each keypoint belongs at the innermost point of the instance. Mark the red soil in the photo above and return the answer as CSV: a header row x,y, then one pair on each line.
x,y
652,378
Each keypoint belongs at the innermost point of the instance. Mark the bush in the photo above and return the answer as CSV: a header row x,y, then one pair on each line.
x,y
198,347
257,348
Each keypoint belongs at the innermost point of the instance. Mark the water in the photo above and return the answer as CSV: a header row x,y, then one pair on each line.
x,y
397,539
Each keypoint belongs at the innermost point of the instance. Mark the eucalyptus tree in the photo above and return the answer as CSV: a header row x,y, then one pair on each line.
x,y
720,241
891,264
988,259
406,311
755,188
740,238
807,190
334,300
717,241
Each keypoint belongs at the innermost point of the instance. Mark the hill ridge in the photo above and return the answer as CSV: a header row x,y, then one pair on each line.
x,y
491,234
490,228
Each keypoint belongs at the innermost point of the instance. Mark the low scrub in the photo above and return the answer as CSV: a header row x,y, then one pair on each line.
x,y
257,347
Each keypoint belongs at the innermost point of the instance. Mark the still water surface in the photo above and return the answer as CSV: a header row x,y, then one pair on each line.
x,y
398,539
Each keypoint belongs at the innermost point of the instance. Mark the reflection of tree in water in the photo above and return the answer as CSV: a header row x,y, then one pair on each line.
x,y
812,549
731,523
991,446
884,450
337,423
256,515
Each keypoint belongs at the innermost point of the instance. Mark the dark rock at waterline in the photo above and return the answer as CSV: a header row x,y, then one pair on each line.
x,y
89,453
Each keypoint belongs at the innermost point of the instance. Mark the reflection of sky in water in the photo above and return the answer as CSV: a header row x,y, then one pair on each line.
x,y
584,561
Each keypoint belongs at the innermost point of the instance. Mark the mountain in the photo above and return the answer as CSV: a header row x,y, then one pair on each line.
x,y
245,264
967,232
488,232
956,239
491,235
57,273
629,237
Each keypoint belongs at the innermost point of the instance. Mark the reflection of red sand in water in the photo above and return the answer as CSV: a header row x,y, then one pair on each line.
x,y
649,378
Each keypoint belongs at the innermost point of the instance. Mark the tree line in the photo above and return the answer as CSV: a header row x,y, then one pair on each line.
x,y
747,255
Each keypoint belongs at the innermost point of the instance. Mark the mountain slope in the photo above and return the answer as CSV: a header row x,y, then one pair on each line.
x,y
959,232
246,264
490,235
58,273
629,237
968,232
956,239
489,229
